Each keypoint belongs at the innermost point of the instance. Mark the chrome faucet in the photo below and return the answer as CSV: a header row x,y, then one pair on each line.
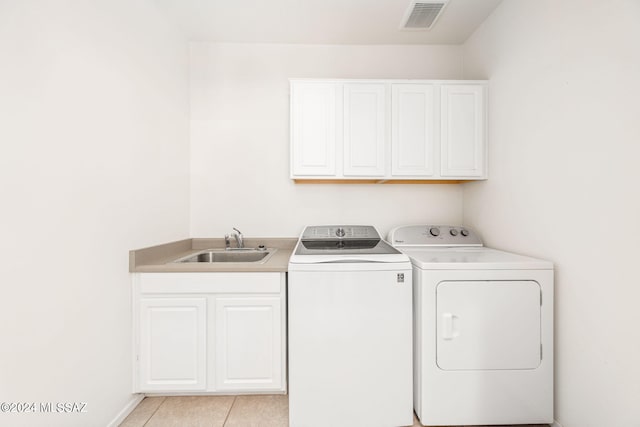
x,y
239,238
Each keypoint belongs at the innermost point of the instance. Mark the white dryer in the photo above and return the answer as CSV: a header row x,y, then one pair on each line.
x,y
483,329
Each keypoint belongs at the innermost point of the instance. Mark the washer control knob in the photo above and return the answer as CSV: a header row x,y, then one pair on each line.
x,y
434,231
464,232
453,232
340,232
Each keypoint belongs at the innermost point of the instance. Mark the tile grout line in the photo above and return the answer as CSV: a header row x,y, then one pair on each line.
x,y
154,412
229,413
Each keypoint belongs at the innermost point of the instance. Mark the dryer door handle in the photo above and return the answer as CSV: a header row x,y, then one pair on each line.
x,y
449,331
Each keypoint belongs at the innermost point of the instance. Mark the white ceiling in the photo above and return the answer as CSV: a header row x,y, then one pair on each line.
x,y
321,21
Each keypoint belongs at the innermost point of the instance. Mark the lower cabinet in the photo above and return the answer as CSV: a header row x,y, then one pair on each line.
x,y
248,343
172,353
210,332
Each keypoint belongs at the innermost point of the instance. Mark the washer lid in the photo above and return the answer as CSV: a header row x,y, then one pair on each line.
x,y
345,243
340,237
472,258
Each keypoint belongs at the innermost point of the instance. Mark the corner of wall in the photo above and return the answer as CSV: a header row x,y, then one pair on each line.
x,y
129,407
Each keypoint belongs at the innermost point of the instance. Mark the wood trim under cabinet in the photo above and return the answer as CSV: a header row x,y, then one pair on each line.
x,y
380,181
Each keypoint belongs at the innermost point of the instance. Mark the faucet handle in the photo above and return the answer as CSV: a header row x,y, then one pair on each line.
x,y
227,241
239,238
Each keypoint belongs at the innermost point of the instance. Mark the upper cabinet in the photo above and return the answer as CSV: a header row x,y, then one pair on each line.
x,y
364,129
388,130
314,128
462,131
412,130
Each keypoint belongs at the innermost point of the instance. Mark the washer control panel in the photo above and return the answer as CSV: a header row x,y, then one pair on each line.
x,y
434,235
347,232
343,238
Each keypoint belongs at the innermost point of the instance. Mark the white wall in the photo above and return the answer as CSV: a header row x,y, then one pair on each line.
x,y
564,175
240,140
93,163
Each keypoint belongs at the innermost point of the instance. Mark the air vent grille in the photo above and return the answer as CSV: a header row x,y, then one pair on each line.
x,y
422,15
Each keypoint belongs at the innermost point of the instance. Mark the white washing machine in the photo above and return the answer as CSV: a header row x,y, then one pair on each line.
x,y
349,330
483,329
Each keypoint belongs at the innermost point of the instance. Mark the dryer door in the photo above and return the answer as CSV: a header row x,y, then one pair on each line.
x,y
485,325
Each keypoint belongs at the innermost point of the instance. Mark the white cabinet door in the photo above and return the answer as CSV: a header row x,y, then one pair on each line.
x,y
313,128
412,130
462,130
488,325
249,344
172,353
364,129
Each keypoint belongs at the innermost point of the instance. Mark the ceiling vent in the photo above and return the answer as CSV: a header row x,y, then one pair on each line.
x,y
422,14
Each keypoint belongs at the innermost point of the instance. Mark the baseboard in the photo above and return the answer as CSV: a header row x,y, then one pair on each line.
x,y
556,424
129,407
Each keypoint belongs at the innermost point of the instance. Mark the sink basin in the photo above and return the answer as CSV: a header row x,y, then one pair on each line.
x,y
221,255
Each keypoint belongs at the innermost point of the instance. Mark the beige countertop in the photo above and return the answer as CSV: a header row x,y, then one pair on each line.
x,y
160,258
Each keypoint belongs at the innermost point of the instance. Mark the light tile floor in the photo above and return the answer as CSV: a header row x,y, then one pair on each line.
x,y
211,411
218,411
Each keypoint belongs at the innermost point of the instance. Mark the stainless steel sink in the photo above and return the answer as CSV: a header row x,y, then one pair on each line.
x,y
236,255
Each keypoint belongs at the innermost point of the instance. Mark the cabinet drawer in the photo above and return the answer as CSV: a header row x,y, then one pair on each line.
x,y
235,283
